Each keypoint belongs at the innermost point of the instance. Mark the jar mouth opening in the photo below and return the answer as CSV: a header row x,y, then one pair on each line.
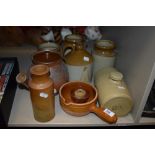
x,y
105,44
74,38
39,70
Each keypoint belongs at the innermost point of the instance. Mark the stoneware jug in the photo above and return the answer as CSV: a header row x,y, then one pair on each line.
x,y
104,54
113,92
79,63
41,89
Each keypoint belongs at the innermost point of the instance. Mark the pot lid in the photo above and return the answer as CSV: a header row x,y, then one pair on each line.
x,y
105,44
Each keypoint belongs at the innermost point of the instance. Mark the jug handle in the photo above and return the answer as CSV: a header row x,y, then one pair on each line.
x,y
69,48
103,114
21,79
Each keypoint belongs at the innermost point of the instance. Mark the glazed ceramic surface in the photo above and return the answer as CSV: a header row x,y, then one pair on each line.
x,y
80,73
41,92
50,46
70,41
79,98
79,63
113,92
67,102
104,55
58,70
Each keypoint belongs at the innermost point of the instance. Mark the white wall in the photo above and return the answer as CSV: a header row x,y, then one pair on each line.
x,y
136,57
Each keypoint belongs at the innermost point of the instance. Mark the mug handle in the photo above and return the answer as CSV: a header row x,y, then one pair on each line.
x,y
105,114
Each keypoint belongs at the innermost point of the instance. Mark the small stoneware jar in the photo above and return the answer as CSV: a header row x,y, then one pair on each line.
x,y
70,41
42,93
79,63
104,54
113,92
53,60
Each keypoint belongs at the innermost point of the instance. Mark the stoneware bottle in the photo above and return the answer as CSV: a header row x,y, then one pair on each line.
x,y
41,92
113,92
79,63
104,55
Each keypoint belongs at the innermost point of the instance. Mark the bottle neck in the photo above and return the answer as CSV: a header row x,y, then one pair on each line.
x,y
40,78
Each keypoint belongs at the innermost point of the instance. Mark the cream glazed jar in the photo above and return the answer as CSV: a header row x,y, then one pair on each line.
x,y
104,55
113,92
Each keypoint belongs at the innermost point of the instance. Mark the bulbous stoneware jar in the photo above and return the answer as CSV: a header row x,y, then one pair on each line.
x,y
104,54
53,60
79,63
113,92
42,93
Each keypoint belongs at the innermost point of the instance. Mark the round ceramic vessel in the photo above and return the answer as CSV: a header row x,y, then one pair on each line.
x,y
83,101
69,105
53,60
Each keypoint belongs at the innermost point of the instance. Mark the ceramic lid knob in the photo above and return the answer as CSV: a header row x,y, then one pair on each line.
x,y
80,93
116,76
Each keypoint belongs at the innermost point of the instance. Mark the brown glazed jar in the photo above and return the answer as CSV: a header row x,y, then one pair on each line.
x,y
70,41
58,70
42,93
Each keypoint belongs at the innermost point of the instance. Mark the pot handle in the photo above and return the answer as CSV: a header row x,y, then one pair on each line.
x,y
104,114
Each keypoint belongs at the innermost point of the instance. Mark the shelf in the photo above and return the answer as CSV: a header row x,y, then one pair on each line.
x,y
22,115
147,121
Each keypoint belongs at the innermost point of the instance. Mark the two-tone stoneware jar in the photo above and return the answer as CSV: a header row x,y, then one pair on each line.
x,y
79,63
104,54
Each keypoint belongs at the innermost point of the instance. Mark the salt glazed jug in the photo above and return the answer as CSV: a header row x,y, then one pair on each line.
x,y
79,63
